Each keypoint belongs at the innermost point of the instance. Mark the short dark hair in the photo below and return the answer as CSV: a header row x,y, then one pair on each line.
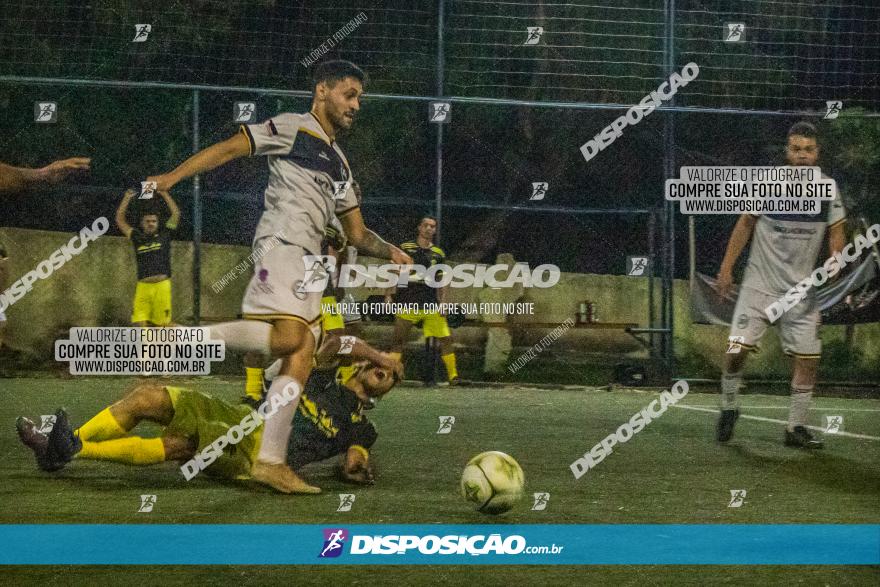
x,y
149,209
426,216
337,70
803,129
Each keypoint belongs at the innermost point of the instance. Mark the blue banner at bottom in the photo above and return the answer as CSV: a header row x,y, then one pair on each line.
x,y
558,544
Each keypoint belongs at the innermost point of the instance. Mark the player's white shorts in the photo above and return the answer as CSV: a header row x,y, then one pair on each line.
x,y
799,326
276,290
351,313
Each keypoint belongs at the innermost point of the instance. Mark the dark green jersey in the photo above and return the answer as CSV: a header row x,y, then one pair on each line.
x,y
328,421
417,292
152,252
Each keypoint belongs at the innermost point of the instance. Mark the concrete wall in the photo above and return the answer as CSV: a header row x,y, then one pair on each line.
x,y
96,288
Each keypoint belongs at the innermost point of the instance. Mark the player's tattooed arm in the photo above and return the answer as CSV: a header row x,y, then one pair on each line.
x,y
124,226
205,160
368,242
14,179
742,232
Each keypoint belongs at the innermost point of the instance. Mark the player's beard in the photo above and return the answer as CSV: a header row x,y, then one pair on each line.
x,y
341,121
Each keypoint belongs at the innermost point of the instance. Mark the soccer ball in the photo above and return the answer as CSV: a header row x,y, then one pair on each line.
x,y
493,481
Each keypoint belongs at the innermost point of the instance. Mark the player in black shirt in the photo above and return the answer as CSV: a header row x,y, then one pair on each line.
x,y
152,247
330,420
424,252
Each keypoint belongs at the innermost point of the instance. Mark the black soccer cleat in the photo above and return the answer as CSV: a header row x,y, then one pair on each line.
x,y
63,443
35,440
726,421
800,437
249,401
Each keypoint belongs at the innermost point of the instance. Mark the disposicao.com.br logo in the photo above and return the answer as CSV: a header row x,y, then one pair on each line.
x,y
454,544
320,269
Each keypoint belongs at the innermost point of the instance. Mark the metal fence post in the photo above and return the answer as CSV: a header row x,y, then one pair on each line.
x,y
668,207
197,219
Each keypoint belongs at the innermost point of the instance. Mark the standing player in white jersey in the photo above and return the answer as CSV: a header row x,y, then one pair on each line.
x,y
309,181
784,251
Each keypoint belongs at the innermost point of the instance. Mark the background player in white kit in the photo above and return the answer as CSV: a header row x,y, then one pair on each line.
x,y
784,251
309,181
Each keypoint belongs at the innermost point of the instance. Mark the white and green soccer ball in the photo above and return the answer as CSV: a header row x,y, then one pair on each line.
x,y
493,481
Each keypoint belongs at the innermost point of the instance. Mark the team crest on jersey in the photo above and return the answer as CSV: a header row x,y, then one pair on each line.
x,y
742,321
262,284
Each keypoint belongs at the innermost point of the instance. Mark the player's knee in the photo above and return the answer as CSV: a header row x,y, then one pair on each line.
x,y
288,338
149,400
178,448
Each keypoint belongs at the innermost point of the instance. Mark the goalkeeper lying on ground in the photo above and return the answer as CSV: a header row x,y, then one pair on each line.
x,y
329,422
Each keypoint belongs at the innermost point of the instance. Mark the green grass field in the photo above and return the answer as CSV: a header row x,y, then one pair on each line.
x,y
671,472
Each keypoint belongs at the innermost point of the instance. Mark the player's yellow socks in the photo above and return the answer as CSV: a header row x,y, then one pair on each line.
x,y
102,427
449,361
131,450
253,386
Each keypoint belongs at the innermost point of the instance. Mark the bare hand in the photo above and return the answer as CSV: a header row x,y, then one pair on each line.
x,y
359,474
724,283
164,183
399,257
391,363
58,170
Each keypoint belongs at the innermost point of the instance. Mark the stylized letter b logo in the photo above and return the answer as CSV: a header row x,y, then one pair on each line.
x,y
334,539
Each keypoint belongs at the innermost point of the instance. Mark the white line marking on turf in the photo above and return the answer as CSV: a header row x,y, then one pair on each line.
x,y
775,421
816,409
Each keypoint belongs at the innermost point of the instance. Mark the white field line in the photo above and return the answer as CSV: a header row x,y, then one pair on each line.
x,y
775,421
812,409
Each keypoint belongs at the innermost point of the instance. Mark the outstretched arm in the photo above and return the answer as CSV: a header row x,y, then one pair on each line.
x,y
14,179
205,160
124,227
368,242
174,219
742,232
